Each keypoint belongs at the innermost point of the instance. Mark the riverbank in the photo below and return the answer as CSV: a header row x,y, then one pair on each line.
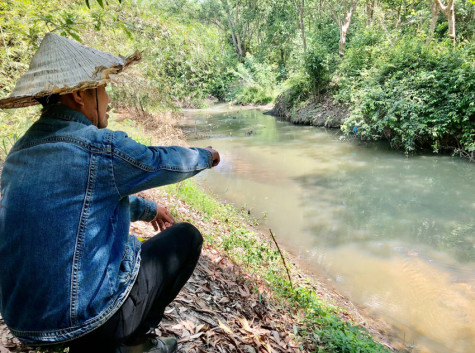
x,y
322,113
240,298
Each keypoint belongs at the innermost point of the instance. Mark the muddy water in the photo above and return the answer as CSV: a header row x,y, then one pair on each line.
x,y
395,235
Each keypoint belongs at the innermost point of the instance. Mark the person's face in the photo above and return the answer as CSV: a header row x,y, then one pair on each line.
x,y
103,106
96,106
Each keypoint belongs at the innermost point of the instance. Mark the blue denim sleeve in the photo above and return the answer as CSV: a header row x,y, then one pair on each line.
x,y
141,209
137,167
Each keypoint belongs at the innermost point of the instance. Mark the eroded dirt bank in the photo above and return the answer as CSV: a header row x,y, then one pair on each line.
x,y
322,113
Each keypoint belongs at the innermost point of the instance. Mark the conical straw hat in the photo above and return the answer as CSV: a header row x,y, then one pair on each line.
x,y
62,65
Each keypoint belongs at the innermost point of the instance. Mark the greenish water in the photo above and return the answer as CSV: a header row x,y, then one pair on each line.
x,y
394,234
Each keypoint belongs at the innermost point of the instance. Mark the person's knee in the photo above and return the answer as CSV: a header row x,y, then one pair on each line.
x,y
192,232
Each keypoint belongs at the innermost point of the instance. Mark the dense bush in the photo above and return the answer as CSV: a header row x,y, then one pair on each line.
x,y
256,82
308,80
318,70
183,63
361,53
416,95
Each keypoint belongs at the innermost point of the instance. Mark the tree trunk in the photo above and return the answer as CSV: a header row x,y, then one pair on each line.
x,y
370,11
282,58
233,36
302,30
342,42
344,28
398,21
451,21
449,12
237,40
434,10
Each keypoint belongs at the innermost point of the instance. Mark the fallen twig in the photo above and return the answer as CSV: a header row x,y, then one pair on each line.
x,y
282,256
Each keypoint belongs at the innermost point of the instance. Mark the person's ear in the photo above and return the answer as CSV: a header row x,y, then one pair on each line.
x,y
78,97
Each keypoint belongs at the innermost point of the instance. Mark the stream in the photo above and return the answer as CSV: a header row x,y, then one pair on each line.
x,y
396,235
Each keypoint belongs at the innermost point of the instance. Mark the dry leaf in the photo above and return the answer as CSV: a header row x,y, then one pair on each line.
x,y
245,325
225,328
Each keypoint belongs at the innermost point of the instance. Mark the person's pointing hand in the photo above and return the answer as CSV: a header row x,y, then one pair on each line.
x,y
215,154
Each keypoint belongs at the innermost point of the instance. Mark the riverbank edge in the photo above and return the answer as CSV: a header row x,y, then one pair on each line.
x,y
325,113
327,319
322,113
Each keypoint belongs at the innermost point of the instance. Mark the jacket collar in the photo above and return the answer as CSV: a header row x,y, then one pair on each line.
x,y
63,112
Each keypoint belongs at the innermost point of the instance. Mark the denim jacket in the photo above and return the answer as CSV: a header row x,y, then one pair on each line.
x,y
67,261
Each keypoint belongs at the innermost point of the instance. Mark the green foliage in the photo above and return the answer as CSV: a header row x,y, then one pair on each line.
x,y
22,25
295,92
182,63
279,27
365,47
318,70
464,17
325,34
416,95
220,85
309,80
100,2
13,124
256,82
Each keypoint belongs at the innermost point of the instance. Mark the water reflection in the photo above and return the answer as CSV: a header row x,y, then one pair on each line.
x,y
396,234
406,200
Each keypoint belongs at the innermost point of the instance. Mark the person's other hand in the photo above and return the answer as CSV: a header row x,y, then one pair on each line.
x,y
163,219
215,154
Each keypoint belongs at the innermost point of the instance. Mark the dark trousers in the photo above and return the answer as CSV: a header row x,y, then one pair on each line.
x,y
167,262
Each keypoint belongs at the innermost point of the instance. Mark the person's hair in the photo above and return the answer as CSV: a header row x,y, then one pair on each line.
x,y
52,99
46,101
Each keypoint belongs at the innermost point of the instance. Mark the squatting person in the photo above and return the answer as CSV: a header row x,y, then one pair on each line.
x,y
70,271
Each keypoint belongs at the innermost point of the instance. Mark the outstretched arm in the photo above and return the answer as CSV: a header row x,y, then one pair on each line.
x,y
136,167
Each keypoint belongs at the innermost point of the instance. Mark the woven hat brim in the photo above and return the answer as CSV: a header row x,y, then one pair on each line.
x,y
106,73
